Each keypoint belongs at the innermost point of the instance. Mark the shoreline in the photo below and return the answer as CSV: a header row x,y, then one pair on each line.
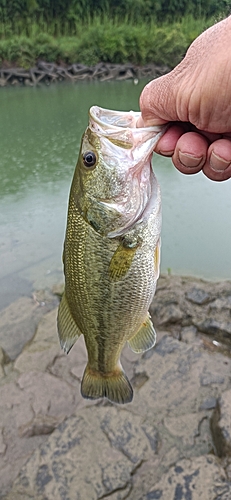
x,y
49,73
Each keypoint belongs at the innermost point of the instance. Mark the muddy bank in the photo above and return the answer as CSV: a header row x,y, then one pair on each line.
x,y
173,440
48,73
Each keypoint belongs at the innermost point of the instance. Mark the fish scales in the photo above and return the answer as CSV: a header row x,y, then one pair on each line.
x,y
111,252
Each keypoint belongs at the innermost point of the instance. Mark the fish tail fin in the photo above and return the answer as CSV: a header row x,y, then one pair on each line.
x,y
114,386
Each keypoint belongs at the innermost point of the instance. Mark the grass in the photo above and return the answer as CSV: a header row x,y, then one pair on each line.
x,y
101,39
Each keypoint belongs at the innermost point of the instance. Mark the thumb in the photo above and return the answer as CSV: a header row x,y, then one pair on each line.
x,y
158,101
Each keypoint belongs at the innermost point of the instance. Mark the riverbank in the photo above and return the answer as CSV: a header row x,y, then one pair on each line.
x,y
48,73
105,39
54,443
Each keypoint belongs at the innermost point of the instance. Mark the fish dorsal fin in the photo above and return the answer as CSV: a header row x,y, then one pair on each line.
x,y
145,338
114,386
67,329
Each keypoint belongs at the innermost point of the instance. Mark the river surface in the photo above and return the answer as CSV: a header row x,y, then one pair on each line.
x,y
40,132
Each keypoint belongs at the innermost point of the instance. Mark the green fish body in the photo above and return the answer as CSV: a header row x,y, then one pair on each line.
x,y
112,250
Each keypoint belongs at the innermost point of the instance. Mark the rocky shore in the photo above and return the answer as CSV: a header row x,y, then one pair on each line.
x,y
47,73
173,442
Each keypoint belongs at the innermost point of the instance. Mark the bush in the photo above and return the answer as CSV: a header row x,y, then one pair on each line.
x,y
46,47
18,50
106,40
165,46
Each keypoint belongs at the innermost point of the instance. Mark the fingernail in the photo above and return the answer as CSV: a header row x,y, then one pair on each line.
x,y
189,161
166,153
217,163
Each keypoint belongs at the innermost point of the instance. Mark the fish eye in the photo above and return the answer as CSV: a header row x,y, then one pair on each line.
x,y
89,159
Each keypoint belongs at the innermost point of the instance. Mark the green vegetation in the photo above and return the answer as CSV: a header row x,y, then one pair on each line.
x,y
89,31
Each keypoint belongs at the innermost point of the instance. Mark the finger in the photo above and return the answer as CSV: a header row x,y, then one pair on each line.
x,y
157,102
190,153
167,143
218,164
143,123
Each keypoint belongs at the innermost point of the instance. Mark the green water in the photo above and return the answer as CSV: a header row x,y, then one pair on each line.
x,y
40,131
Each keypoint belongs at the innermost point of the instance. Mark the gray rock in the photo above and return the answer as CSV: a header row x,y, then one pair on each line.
x,y
41,353
2,443
208,404
221,425
192,479
219,329
30,409
126,434
46,396
34,402
211,378
167,345
182,302
125,451
73,464
221,304
188,334
55,444
170,314
18,323
185,427
165,307
197,296
2,359
58,289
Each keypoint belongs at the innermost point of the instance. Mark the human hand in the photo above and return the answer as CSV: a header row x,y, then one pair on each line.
x,y
195,97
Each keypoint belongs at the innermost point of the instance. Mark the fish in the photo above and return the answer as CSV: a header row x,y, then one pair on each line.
x,y
111,250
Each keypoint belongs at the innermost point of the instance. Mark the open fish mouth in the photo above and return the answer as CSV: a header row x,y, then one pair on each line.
x,y
122,125
110,118
130,149
121,119
119,127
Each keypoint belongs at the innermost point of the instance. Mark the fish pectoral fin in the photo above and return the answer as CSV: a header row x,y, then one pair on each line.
x,y
121,262
145,338
67,329
114,386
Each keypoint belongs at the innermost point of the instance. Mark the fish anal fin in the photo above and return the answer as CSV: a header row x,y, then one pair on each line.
x,y
114,386
145,338
121,262
68,331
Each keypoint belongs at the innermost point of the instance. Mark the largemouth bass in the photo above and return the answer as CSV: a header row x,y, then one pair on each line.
x,y
111,250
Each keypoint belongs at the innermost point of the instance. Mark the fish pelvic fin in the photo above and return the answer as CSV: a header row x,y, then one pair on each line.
x,y
114,386
68,331
145,338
